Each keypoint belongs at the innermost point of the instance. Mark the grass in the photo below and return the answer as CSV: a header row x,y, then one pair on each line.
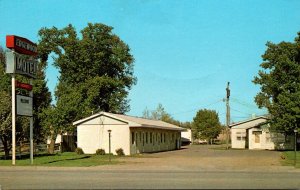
x,y
288,158
66,159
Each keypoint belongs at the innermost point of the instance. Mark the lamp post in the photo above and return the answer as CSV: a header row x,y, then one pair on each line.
x,y
295,160
109,145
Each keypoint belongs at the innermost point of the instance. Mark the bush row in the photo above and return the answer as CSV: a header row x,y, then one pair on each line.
x,y
119,151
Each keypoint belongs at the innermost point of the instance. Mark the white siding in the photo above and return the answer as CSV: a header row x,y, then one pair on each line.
x,y
93,135
88,138
119,138
260,139
238,138
187,134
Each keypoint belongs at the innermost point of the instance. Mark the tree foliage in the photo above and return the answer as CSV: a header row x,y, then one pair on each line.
x,y
160,114
206,124
279,82
5,106
96,73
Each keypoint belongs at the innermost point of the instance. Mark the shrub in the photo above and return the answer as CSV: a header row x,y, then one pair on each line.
x,y
79,151
100,151
120,152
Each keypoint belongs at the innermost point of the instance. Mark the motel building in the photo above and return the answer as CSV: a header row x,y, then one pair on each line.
x,y
133,134
252,134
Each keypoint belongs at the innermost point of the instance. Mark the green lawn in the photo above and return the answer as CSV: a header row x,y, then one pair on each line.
x,y
68,159
288,158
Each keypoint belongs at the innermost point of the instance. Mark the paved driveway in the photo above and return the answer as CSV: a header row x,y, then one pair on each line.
x,y
205,157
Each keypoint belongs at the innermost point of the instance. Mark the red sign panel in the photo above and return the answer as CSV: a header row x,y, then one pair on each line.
x,y
21,45
23,86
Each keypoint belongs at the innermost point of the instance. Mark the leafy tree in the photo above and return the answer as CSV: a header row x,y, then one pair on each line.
x,y
96,72
280,85
206,124
41,100
160,114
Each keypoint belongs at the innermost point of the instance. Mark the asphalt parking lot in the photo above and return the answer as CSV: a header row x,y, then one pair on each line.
x,y
206,157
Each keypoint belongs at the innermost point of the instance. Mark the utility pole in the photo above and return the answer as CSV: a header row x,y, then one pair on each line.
x,y
227,115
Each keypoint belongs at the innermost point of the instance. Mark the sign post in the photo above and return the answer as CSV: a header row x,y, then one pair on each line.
x,y
31,130
24,63
13,112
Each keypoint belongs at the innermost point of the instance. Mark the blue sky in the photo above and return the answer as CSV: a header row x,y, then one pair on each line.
x,y
185,51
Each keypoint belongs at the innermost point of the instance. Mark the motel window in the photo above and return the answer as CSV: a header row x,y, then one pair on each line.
x,y
143,139
153,139
241,136
132,137
136,138
150,137
161,137
140,137
164,137
147,137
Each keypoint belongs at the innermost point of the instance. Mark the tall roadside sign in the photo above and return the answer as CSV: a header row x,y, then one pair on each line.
x,y
21,60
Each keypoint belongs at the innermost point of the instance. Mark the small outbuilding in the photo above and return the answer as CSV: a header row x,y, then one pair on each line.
x,y
253,134
186,137
133,134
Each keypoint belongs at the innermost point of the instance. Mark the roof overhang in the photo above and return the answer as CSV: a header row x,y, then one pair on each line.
x,y
158,127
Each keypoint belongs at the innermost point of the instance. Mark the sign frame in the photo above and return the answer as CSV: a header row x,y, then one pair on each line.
x,y
24,86
24,105
21,64
21,45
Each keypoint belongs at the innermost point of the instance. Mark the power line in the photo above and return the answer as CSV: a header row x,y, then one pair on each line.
x,y
240,111
243,103
198,108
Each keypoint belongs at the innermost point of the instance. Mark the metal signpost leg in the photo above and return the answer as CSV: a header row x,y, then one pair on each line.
x,y
31,130
109,148
13,102
109,145
295,148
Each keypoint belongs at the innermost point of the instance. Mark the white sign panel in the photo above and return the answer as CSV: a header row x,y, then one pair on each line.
x,y
24,105
21,64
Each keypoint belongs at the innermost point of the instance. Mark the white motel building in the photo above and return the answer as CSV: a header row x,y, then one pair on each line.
x,y
133,134
252,134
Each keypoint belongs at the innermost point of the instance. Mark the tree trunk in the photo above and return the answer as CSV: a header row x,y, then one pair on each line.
x,y
6,147
51,146
52,141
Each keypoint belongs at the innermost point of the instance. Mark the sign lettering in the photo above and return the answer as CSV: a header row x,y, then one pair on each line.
x,y
23,86
21,64
21,45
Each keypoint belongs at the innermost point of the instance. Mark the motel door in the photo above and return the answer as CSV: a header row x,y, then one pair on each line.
x,y
257,139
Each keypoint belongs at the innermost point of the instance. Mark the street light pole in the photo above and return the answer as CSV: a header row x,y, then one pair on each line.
x,y
295,155
109,145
